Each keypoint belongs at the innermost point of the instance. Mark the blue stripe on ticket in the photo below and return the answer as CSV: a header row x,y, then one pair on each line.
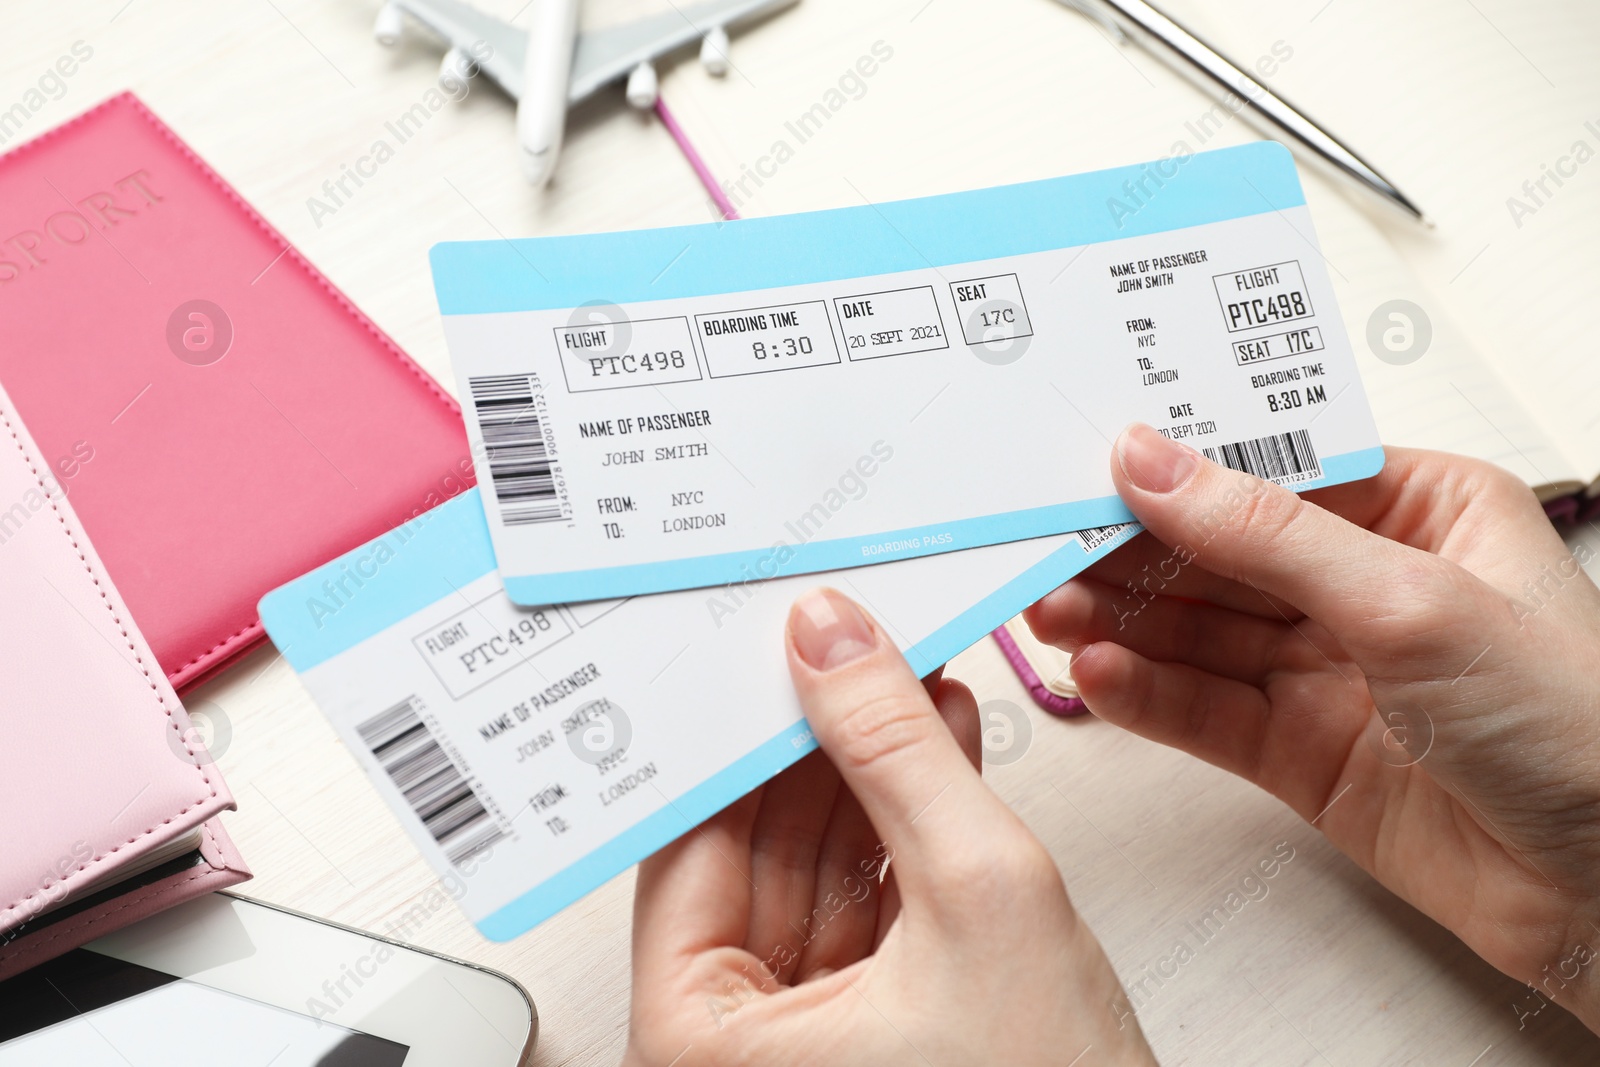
x,y
840,553
368,589
535,274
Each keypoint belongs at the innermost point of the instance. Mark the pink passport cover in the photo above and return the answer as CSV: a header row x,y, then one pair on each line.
x,y
204,481
100,763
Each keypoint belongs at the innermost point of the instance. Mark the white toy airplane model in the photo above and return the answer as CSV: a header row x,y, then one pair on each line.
x,y
552,66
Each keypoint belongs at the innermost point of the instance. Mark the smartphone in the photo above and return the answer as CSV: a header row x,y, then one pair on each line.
x,y
228,980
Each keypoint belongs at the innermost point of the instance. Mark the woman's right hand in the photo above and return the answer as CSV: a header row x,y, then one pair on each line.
x,y
1410,662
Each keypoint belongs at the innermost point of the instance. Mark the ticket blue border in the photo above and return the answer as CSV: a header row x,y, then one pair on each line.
x,y
812,557
843,553
542,273
368,589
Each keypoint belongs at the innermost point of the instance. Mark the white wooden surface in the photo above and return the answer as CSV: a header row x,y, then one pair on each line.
x,y
278,95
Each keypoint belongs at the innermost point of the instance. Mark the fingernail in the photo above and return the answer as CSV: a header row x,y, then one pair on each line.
x,y
828,630
1155,463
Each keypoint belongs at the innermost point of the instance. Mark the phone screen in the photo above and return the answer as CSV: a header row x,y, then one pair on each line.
x,y
91,1010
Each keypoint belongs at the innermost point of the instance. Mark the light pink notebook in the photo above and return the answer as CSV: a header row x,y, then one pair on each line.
x,y
110,800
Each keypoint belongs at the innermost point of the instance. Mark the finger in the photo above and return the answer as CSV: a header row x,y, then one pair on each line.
x,y
888,908
959,710
894,753
1146,567
1377,596
1222,721
837,931
847,918
1432,501
784,844
693,896
1229,643
1451,505
1420,497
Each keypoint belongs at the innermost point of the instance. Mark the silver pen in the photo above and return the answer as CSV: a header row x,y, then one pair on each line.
x,y
1214,74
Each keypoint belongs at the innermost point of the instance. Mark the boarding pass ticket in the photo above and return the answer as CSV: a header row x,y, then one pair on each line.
x,y
712,404
534,753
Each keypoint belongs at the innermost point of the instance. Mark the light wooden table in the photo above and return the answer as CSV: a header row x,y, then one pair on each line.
x,y
278,95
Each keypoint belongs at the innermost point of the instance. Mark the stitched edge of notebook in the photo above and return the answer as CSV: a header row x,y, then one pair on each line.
x,y
67,531
159,889
217,652
216,868
208,831
58,130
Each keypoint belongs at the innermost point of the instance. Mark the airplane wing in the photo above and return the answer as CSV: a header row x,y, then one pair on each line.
x,y
605,55
602,56
462,27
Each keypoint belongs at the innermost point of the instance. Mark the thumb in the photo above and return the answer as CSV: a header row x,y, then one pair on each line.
x,y
875,720
1385,602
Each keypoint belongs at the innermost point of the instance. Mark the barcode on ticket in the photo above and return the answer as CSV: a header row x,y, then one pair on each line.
x,y
520,465
432,784
1093,539
1285,458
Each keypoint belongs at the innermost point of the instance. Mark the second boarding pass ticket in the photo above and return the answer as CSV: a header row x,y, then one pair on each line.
x,y
533,754
726,403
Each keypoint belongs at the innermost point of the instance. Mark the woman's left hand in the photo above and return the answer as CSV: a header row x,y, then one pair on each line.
x,y
779,933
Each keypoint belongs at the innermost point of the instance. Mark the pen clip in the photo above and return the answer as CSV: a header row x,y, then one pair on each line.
x,y
1092,11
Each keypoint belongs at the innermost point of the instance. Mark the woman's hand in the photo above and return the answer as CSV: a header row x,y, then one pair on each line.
x,y
1409,662
779,932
